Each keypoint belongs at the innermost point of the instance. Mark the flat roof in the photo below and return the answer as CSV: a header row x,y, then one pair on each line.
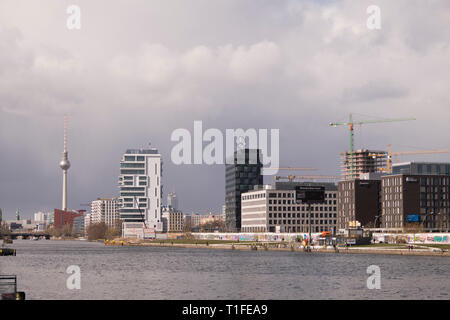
x,y
142,151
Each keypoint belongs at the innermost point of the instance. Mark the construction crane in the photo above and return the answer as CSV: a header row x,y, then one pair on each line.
x,y
313,177
295,169
391,154
351,124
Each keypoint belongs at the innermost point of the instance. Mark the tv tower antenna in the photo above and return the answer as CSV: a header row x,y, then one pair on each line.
x,y
65,165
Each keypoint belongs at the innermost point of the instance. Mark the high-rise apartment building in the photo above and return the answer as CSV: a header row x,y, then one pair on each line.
x,y
105,210
141,189
241,176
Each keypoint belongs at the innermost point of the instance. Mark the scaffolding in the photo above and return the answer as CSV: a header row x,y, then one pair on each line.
x,y
362,161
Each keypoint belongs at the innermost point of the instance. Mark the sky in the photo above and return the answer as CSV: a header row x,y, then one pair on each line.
x,y
139,69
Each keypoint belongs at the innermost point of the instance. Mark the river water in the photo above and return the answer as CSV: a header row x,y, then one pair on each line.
x,y
180,273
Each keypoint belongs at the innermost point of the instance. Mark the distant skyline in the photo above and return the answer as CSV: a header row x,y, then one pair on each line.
x,y
138,70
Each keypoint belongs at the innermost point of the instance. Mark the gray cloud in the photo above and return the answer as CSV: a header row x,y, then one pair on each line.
x,y
137,70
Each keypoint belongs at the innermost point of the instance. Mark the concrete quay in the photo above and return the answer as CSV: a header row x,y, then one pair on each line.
x,y
295,248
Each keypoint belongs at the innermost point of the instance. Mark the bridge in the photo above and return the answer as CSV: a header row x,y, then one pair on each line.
x,y
25,235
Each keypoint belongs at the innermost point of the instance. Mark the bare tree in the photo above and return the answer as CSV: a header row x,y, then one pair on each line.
x,y
97,231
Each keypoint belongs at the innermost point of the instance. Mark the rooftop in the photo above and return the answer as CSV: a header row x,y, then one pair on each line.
x,y
142,151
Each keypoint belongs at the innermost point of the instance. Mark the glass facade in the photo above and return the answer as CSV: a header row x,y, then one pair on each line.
x,y
240,177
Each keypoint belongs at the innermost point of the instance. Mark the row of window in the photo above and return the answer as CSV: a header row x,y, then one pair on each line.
x,y
293,202
292,195
302,208
301,222
254,196
134,158
316,215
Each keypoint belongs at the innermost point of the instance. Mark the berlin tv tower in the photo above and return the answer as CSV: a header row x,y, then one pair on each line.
x,y
65,165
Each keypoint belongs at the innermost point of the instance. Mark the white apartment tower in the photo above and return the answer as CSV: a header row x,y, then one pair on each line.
x,y
105,210
141,189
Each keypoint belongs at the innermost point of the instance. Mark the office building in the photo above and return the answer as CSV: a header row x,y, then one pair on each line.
x,y
141,189
241,176
419,168
40,217
78,225
172,220
192,221
274,209
359,203
50,218
105,210
421,200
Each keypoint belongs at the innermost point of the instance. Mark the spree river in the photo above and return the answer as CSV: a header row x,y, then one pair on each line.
x,y
180,273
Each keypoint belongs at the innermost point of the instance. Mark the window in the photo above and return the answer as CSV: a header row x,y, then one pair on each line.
x,y
132,165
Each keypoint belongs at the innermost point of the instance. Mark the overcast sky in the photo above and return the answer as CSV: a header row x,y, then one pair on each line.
x,y
139,69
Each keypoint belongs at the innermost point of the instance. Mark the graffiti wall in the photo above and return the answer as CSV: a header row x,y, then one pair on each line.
x,y
426,238
254,236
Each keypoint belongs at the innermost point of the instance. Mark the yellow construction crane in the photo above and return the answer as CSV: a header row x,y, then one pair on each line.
x,y
313,177
351,124
295,169
391,154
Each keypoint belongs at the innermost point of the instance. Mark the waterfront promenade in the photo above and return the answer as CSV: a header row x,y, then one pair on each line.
x,y
417,250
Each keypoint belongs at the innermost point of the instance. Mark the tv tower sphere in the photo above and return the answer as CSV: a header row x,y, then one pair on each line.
x,y
64,164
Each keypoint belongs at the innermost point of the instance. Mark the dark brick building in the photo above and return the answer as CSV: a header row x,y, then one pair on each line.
x,y
359,200
424,199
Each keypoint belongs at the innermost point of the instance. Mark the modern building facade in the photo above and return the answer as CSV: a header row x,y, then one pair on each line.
x,y
172,220
421,200
78,225
40,217
87,221
359,203
242,175
141,188
274,209
192,221
105,210
416,168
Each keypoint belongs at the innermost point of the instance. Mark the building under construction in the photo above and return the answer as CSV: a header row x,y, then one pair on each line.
x,y
362,161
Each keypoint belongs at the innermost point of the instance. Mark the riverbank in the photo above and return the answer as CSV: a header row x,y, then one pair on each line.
x,y
255,246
